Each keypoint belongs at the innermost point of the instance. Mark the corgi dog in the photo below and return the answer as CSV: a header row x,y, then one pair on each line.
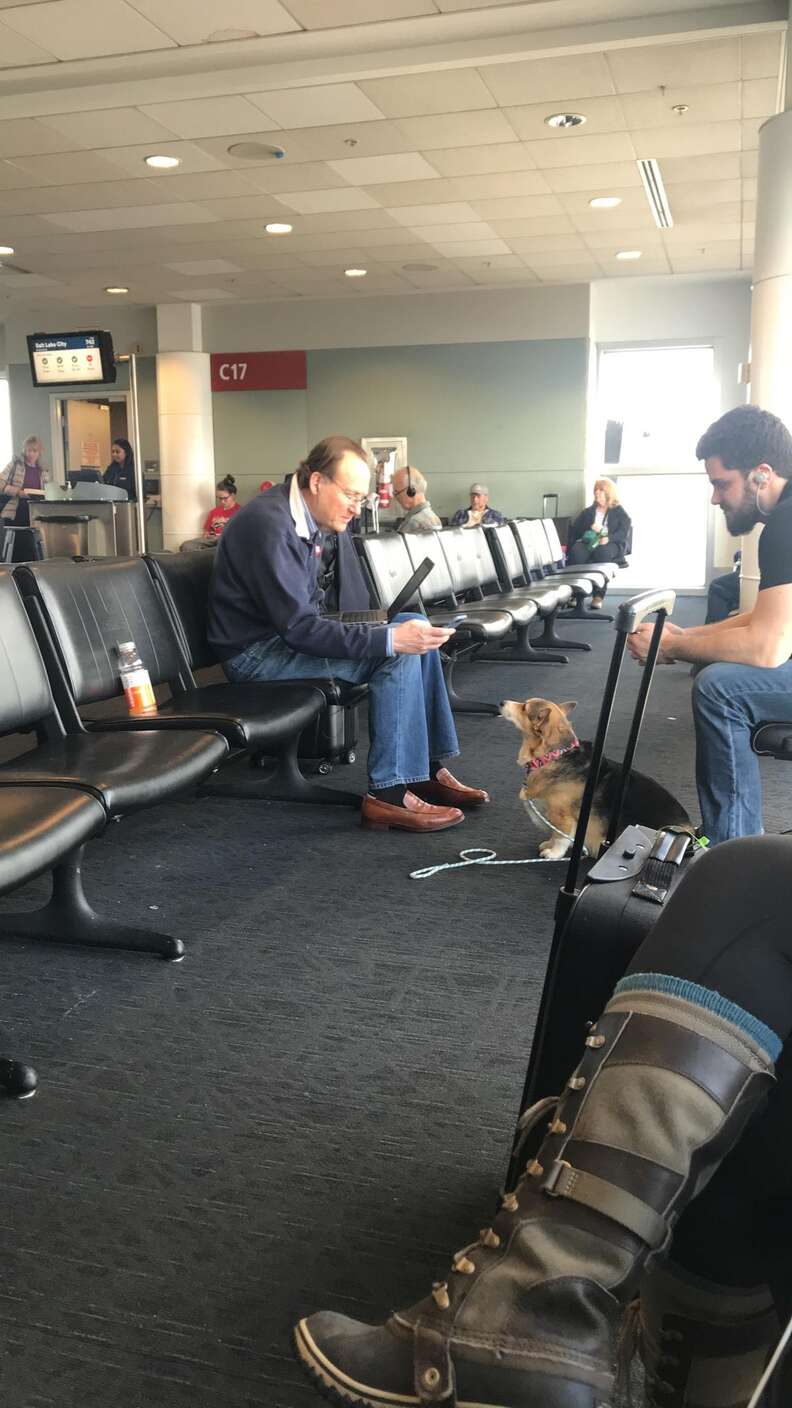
x,y
556,766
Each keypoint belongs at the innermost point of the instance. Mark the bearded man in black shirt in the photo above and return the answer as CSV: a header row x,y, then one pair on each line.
x,y
748,676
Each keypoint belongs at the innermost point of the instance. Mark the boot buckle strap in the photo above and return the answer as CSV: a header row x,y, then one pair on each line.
x,y
562,1180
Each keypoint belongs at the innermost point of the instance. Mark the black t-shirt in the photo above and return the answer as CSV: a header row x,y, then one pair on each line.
x,y
775,545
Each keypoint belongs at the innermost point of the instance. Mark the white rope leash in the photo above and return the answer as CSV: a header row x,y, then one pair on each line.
x,y
480,855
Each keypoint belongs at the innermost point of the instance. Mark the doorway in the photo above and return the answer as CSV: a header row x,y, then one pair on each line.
x,y
83,429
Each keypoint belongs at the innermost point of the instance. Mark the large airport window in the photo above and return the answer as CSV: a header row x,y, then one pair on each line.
x,y
654,403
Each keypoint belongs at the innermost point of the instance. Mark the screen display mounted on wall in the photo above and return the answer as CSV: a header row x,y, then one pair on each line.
x,y
71,358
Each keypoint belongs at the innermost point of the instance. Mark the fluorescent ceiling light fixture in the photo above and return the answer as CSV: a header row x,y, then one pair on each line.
x,y
6,249
605,202
655,193
629,253
162,163
356,273
116,288
565,119
277,229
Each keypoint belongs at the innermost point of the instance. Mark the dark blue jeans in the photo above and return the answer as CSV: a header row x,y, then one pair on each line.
x,y
728,702
410,719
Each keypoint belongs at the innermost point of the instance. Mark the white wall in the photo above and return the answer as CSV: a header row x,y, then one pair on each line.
x,y
133,329
478,315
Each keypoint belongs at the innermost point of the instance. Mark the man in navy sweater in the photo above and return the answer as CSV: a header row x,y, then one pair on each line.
x,y
265,623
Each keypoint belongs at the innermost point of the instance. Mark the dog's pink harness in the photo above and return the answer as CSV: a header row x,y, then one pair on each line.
x,y
552,756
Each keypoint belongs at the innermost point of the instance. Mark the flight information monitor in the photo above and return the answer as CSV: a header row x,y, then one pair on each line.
x,y
71,358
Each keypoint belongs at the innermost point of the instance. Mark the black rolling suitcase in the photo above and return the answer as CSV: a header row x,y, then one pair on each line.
x,y
599,926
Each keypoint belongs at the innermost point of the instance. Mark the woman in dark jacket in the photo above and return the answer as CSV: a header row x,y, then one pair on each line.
x,y
600,533
121,473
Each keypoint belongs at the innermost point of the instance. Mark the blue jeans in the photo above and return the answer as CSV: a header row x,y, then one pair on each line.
x,y
728,702
410,719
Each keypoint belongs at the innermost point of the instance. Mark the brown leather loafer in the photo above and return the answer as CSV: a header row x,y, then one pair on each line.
x,y
415,815
445,791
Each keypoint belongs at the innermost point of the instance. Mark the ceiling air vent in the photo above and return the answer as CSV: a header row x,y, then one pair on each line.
x,y
655,193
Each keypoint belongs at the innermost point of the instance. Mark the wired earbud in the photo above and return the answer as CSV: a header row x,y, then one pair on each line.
x,y
761,478
409,488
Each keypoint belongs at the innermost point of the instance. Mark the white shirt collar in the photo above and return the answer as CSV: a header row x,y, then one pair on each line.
x,y
303,522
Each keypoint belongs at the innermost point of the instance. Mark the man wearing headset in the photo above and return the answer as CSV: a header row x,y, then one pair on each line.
x,y
409,491
748,676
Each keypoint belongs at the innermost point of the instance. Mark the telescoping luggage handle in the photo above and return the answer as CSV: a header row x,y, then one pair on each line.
x,y
628,617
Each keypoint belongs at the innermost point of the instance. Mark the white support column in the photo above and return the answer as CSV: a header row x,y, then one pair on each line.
x,y
186,433
771,309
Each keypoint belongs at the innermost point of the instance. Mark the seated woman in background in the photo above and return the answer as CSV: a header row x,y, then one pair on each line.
x,y
22,479
120,473
217,517
600,533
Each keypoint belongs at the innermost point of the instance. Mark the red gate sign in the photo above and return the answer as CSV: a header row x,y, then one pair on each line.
x,y
258,371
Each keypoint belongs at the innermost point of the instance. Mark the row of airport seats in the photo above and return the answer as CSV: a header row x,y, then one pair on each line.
x,y
60,624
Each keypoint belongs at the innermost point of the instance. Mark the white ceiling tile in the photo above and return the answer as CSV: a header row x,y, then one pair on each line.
x,y
204,266
749,163
206,117
567,273
759,97
421,94
10,280
578,202
311,202
326,14
504,156
601,176
716,166
284,176
749,188
70,168
124,219
208,185
644,238
471,248
336,258
698,140
320,143
459,129
499,183
12,178
402,253
674,65
201,295
601,221
444,276
498,261
131,160
46,200
749,132
108,127
576,150
620,269
718,102
27,136
717,254
193,21
548,80
468,233
374,239
379,170
336,220
700,195
249,207
724,225
558,257
761,55
518,230
401,193
526,245
316,107
484,272
452,213
18,52
602,115
81,29
518,207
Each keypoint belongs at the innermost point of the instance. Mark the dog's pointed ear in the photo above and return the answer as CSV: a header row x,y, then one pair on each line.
x,y
568,705
540,718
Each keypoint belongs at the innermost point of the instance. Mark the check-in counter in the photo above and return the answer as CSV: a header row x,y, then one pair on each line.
x,y
86,527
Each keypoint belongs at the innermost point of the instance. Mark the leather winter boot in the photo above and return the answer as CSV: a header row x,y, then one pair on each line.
x,y
528,1315
703,1345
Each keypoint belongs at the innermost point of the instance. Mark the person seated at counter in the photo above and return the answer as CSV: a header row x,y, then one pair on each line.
x,y
22,479
120,473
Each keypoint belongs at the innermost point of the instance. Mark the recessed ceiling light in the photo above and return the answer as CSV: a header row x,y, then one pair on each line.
x,y
565,119
116,288
356,273
605,202
6,249
162,163
277,229
629,253
255,151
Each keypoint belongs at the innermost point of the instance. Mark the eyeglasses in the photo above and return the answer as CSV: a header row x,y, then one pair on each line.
x,y
355,501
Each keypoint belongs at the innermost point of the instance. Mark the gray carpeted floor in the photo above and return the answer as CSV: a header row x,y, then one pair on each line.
x,y
314,1109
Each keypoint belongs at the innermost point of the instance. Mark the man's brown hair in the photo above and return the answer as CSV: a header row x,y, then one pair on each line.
x,y
324,457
